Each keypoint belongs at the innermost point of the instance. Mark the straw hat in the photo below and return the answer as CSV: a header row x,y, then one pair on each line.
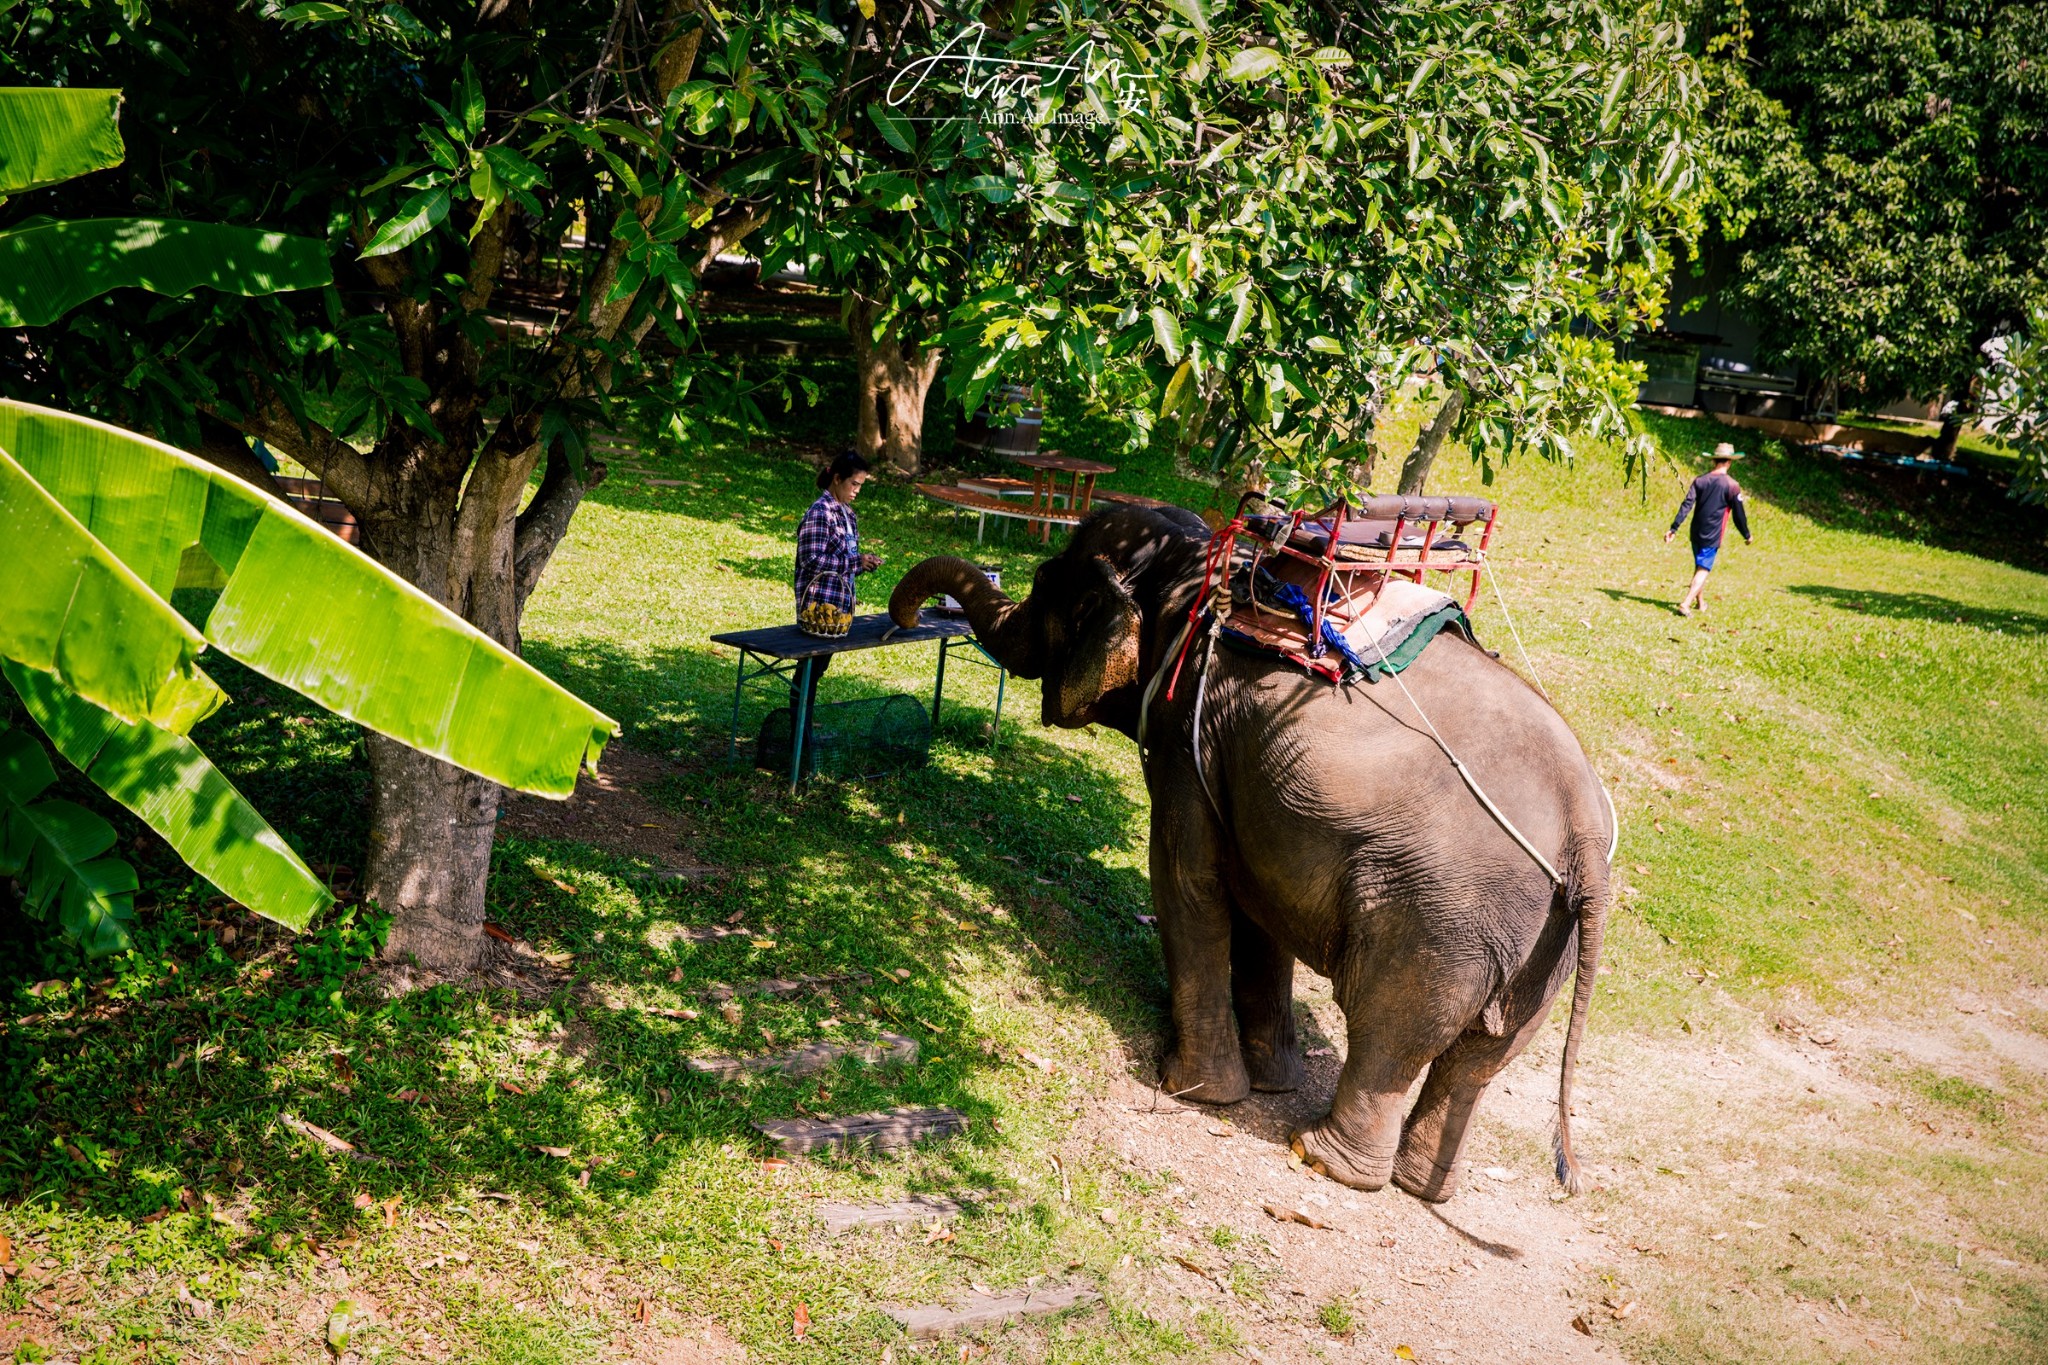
x,y
1724,451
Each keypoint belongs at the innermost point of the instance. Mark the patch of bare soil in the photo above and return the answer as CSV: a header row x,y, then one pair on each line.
x,y
610,809
1496,1274
1759,1192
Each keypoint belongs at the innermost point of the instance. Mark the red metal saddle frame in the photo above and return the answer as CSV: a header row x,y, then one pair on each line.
x,y
1346,577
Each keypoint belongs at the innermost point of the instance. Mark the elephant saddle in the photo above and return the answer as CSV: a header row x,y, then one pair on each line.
x,y
1341,592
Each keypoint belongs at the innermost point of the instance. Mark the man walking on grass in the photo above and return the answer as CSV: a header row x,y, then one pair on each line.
x,y
1713,498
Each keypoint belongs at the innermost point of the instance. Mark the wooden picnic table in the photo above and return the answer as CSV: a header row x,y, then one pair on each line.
x,y
1046,466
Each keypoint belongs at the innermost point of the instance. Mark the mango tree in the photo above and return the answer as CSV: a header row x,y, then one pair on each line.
x,y
1288,211
517,203
1878,174
101,524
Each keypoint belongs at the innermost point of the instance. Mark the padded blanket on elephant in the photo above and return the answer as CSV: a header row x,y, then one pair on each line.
x,y
1272,619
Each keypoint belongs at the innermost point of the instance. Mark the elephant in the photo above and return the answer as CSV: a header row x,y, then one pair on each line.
x,y
1323,824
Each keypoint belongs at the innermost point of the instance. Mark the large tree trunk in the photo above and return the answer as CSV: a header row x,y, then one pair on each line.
x,y
432,825
894,381
1428,441
431,830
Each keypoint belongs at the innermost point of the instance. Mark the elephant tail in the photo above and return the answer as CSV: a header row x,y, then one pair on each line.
x,y
1586,893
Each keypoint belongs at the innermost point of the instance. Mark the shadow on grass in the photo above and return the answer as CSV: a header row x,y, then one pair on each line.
x,y
1663,604
1922,606
158,1092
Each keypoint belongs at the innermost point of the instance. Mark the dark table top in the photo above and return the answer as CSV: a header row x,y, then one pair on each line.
x,y
869,632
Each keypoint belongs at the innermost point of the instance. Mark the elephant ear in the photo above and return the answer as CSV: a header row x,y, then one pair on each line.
x,y
1104,653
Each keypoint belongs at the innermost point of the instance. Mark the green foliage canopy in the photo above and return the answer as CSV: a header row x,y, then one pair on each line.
x,y
1278,213
1882,171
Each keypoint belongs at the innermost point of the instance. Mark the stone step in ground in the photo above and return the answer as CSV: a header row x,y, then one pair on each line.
x,y
890,1130
989,1310
916,1211
892,1050
783,987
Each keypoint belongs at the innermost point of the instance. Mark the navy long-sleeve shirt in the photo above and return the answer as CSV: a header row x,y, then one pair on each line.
x,y
1713,499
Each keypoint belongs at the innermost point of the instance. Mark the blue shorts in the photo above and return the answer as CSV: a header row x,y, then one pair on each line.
x,y
1703,556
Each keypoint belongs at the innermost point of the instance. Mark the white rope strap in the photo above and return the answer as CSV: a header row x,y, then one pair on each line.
x,y
1508,616
1466,773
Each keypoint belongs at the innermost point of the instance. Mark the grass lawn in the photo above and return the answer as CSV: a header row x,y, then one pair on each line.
x,y
1834,796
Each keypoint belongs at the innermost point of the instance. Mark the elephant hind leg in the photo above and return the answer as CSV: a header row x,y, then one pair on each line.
x,y
1262,989
1435,1133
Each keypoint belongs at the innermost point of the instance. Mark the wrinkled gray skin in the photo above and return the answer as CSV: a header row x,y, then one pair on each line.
x,y
1340,836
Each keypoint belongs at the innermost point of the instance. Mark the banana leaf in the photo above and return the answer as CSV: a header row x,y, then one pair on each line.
x,y
69,599
53,847
48,136
49,268
167,781
307,610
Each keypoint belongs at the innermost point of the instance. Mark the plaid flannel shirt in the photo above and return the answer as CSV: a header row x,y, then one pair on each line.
x,y
827,554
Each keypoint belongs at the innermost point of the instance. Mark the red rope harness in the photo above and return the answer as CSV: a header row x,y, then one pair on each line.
x,y
1222,546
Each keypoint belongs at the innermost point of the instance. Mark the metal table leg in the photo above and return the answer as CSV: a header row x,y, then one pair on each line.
x,y
939,687
803,717
732,743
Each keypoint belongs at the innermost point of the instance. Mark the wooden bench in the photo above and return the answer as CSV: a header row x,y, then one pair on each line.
x,y
310,496
986,505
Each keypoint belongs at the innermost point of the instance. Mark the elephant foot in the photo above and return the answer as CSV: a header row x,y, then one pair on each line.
x,y
1323,1152
1424,1178
1274,1070
1219,1080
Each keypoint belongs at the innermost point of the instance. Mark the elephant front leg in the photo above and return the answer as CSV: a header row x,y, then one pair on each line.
x,y
1195,936
1262,987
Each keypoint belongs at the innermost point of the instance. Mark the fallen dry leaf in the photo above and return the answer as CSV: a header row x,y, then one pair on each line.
x,y
1404,1353
497,931
802,1321
1045,1064
1579,1324
507,1085
1625,1312
390,1207
363,1200
644,1312
1280,1215
550,1151
939,1233
562,885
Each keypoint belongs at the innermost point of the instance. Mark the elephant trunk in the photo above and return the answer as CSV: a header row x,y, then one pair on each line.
x,y
1007,629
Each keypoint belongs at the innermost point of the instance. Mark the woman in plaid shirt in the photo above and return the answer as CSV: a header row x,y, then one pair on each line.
x,y
828,555
828,552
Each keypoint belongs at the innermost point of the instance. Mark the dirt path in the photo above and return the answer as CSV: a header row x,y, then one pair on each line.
x,y
1757,1187
1490,1276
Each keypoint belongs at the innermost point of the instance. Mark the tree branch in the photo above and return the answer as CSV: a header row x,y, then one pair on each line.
x,y
546,520
222,446
341,467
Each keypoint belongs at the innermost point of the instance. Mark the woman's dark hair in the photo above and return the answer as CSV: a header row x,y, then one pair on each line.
x,y
845,465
